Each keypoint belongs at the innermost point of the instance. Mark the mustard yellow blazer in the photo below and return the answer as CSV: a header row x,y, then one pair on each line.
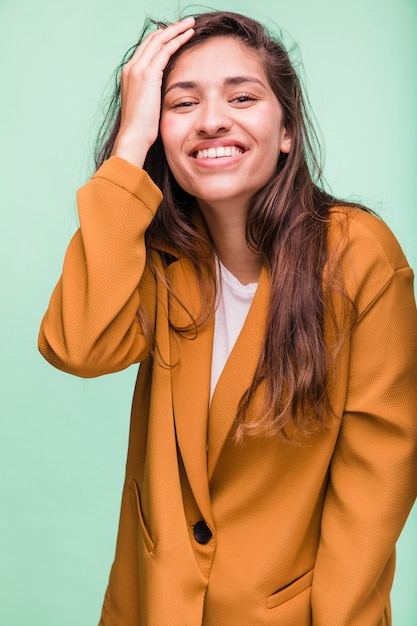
x,y
267,533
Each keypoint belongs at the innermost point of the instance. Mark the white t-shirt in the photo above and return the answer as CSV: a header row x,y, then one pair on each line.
x,y
232,306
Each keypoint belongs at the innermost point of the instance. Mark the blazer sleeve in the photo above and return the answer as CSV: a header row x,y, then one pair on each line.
x,y
91,326
373,473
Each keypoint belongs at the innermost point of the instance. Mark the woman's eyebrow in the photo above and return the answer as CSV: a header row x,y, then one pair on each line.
x,y
182,84
238,80
231,80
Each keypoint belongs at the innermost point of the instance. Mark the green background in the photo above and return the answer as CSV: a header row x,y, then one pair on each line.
x,y
63,439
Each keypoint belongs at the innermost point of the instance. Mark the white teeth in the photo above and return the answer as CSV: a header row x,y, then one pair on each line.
x,y
221,151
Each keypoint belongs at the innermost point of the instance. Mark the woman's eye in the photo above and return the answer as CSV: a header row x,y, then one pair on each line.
x,y
183,105
243,97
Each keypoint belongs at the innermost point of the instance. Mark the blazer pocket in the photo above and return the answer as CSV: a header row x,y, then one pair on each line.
x,y
150,545
290,591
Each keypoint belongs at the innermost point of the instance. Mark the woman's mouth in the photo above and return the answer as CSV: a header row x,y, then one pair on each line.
x,y
218,152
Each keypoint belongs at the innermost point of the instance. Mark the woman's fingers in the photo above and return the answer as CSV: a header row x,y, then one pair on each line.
x,y
141,82
157,39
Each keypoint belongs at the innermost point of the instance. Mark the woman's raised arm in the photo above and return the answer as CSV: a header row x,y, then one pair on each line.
x,y
91,326
141,83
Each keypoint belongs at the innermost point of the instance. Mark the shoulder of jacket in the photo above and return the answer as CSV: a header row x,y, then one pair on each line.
x,y
366,251
367,237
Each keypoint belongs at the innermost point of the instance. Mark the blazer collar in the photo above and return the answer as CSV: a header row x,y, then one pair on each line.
x,y
238,373
202,431
190,375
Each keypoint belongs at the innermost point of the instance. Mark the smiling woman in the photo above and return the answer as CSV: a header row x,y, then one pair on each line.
x,y
222,130
273,439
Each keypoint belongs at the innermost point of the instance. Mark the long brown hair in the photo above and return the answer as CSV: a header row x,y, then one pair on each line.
x,y
287,224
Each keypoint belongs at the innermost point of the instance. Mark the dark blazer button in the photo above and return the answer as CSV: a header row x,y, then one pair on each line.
x,y
202,532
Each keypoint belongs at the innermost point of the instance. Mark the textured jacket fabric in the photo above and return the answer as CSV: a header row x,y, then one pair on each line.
x,y
286,535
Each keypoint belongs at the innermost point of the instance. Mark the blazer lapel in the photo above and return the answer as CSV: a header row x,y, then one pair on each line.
x,y
237,373
191,389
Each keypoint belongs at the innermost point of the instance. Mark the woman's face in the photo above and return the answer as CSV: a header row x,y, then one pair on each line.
x,y
221,124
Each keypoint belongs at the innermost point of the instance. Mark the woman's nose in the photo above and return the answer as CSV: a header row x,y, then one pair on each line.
x,y
213,118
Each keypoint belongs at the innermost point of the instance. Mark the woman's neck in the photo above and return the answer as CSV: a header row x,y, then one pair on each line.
x,y
228,232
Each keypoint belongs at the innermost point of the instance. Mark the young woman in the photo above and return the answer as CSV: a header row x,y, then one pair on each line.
x,y
272,455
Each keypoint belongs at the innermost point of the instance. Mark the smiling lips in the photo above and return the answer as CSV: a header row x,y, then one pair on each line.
x,y
220,151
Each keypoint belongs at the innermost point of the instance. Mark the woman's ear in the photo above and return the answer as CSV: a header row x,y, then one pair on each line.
x,y
285,141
